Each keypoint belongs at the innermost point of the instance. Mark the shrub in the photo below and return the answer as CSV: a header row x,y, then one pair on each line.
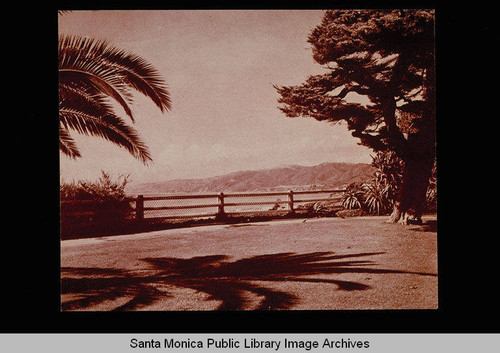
x,y
351,213
104,189
91,206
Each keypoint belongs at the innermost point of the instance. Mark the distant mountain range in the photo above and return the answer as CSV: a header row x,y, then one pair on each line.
x,y
294,177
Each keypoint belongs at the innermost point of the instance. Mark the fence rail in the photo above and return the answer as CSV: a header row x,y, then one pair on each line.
x,y
147,206
218,205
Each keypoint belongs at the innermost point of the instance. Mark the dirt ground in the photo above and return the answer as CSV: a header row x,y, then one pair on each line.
x,y
314,264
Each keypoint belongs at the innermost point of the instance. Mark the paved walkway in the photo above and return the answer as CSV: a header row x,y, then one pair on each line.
x,y
313,264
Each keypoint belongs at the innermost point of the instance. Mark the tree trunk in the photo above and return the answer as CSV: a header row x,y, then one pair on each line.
x,y
419,162
419,157
410,203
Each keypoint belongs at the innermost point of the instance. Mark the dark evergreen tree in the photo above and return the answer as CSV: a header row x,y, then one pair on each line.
x,y
387,56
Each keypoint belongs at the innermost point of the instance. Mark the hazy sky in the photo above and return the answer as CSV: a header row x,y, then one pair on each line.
x,y
220,67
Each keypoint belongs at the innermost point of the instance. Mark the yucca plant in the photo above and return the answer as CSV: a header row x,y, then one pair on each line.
x,y
431,195
352,197
376,200
92,76
389,168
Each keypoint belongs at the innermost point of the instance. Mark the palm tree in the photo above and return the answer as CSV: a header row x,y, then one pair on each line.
x,y
92,76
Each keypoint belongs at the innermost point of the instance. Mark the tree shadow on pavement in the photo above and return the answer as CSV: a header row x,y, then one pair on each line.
x,y
428,226
229,282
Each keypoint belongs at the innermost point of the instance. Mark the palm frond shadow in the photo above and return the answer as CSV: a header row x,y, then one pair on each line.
x,y
226,281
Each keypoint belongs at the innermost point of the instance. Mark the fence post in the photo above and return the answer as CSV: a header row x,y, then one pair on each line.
x,y
139,208
290,201
221,214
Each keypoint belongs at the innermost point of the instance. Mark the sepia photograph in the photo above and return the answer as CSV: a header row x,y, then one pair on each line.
x,y
247,160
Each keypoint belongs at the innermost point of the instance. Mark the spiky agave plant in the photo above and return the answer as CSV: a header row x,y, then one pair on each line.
x,y
352,197
93,74
376,200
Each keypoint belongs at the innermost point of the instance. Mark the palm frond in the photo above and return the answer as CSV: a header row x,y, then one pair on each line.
x,y
97,84
67,144
90,73
117,67
140,75
83,98
110,127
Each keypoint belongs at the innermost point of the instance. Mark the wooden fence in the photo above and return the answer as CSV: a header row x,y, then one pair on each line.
x,y
84,218
145,205
153,207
